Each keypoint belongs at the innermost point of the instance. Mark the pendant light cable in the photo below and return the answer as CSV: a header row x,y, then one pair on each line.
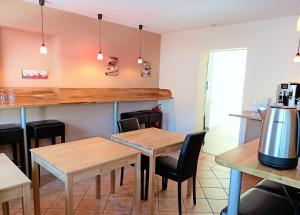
x,y
140,27
42,24
100,31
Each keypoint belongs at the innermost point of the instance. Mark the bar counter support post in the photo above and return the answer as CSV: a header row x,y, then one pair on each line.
x,y
234,192
115,117
23,124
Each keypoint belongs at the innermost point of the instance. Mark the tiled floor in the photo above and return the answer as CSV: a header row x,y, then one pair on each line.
x,y
212,194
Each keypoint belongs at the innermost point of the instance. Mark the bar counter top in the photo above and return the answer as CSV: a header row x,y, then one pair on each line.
x,y
248,115
31,97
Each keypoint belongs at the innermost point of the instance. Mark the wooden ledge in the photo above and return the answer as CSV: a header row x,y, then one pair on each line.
x,y
29,97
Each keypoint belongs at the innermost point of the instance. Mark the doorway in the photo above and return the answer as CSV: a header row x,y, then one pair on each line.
x,y
224,95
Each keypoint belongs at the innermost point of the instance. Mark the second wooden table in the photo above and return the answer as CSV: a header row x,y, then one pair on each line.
x,y
152,142
77,160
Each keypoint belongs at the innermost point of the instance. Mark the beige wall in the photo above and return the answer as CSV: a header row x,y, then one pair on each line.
x,y
271,45
72,43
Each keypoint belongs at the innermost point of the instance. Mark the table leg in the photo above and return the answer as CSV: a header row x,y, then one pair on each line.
x,y
113,181
26,200
137,195
36,187
115,117
23,124
234,192
69,195
151,184
5,208
98,186
189,186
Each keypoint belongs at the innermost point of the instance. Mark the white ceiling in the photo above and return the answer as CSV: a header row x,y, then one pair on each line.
x,y
175,15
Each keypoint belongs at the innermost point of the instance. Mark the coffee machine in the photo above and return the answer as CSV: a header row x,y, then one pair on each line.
x,y
287,94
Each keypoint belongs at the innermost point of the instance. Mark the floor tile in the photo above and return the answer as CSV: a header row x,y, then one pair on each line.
x,y
217,205
209,182
215,193
201,206
205,174
116,203
169,204
60,202
109,212
52,189
224,182
47,200
55,212
199,193
88,212
221,174
91,203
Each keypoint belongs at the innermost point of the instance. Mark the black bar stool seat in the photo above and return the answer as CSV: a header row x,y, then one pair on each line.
x,y
12,134
261,202
277,188
44,129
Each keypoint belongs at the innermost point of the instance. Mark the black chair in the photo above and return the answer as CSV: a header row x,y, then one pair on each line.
x,y
183,168
12,134
261,202
132,124
44,129
278,188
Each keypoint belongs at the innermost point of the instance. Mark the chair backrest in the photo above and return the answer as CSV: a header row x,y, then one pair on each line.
x,y
125,125
188,158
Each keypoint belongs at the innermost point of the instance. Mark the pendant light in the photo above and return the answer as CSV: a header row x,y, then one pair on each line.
x,y
297,56
43,48
100,55
140,59
298,24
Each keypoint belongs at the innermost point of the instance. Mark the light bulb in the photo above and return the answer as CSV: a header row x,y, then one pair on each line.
x,y
298,24
43,49
100,56
297,58
140,60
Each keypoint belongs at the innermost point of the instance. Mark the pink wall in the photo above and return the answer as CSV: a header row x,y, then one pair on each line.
x,y
72,44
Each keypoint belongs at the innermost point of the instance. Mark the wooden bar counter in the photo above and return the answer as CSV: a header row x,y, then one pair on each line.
x,y
42,97
30,97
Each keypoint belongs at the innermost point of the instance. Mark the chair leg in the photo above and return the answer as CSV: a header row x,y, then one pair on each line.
x,y
53,140
142,185
179,198
194,189
147,184
37,145
22,156
63,138
15,153
164,183
122,176
29,156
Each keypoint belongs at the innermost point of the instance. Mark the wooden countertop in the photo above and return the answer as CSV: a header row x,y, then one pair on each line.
x,y
248,115
244,158
29,97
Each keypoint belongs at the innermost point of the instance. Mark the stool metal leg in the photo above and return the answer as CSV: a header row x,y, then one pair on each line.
x,y
23,124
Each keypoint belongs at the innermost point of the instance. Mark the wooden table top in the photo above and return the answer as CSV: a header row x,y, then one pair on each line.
x,y
248,115
244,158
31,97
149,138
80,155
10,175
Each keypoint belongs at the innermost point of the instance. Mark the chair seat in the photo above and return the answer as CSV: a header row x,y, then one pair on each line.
x,y
10,134
42,123
261,202
166,166
45,129
277,188
6,127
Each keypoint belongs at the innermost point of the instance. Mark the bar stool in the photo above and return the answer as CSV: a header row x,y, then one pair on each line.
x,y
44,129
12,134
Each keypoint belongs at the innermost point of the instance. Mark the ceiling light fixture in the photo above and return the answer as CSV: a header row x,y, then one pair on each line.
x,y
298,24
100,55
43,48
297,56
140,60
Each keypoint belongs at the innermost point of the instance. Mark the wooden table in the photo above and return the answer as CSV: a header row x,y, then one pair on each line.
x,y
152,142
244,159
13,184
77,160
